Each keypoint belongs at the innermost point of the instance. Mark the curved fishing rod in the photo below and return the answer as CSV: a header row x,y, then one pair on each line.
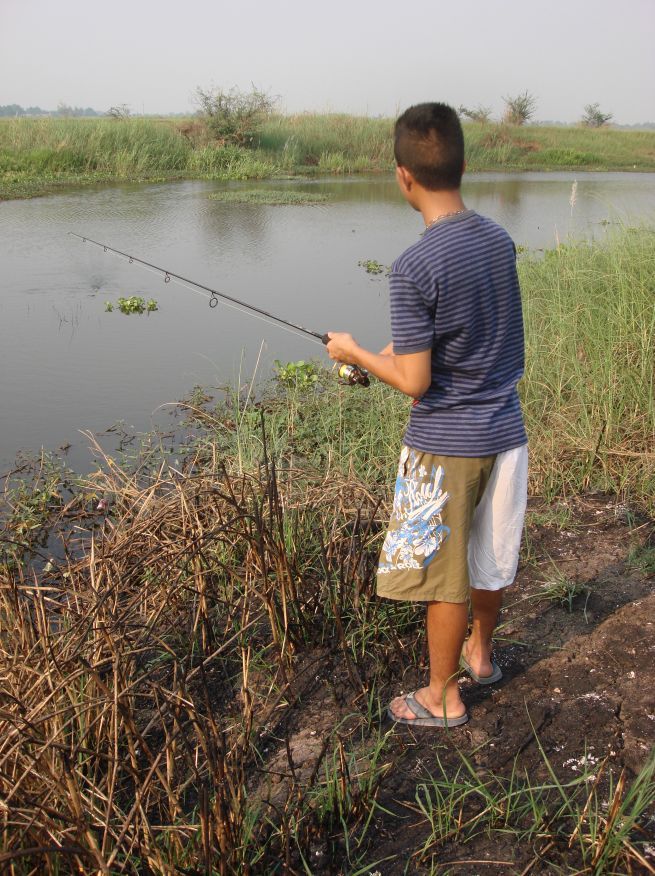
x,y
352,374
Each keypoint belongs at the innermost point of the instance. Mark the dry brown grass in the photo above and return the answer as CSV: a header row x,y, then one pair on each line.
x,y
128,724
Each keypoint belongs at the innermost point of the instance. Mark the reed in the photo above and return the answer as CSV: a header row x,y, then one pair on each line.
x,y
588,390
150,670
37,155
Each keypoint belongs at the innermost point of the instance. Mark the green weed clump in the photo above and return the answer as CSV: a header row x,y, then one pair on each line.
x,y
271,197
371,266
133,304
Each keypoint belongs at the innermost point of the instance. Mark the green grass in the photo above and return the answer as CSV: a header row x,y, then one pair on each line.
x,y
503,147
44,155
589,386
572,813
588,393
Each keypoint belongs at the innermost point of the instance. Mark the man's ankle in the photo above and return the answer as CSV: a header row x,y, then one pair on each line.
x,y
475,645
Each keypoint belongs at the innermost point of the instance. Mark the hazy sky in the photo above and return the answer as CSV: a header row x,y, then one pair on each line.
x,y
342,55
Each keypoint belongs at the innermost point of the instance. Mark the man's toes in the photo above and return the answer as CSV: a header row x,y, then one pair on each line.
x,y
400,708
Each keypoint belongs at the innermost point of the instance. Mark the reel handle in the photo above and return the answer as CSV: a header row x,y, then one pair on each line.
x,y
350,374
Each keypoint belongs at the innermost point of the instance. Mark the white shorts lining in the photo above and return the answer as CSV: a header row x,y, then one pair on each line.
x,y
497,526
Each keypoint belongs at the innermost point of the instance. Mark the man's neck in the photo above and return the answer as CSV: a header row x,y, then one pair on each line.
x,y
435,205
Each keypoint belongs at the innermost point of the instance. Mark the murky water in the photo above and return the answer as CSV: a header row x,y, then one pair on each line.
x,y
66,365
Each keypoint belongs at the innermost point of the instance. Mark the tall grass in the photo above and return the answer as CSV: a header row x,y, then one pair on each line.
x,y
37,154
589,386
588,392
334,143
157,668
536,147
85,146
353,143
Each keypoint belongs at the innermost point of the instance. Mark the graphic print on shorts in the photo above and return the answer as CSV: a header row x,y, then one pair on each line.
x,y
416,531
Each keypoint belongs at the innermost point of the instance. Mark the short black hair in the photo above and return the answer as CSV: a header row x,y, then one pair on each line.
x,y
429,142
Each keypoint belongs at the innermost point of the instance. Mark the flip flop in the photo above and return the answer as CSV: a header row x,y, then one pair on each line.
x,y
495,676
423,717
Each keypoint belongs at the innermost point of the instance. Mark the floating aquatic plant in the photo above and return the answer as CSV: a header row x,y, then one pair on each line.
x,y
270,197
373,267
134,304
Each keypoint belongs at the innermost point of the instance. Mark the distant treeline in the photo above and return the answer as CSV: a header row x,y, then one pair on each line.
x,y
13,109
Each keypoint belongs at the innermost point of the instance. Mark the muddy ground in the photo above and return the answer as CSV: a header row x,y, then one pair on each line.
x,y
577,648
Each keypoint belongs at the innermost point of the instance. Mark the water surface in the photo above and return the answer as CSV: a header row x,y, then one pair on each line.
x,y
66,365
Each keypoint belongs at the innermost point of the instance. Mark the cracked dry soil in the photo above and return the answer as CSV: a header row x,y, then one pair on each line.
x,y
577,673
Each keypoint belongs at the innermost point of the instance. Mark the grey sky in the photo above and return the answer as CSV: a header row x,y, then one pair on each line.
x,y
343,55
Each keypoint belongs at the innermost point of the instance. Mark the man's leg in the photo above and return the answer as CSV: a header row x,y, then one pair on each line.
x,y
485,607
446,625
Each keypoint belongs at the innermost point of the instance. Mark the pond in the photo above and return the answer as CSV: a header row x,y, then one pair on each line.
x,y
67,365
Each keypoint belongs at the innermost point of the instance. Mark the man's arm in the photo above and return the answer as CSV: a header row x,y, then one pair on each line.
x,y
411,373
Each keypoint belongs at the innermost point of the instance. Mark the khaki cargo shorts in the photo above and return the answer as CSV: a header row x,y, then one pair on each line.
x,y
456,523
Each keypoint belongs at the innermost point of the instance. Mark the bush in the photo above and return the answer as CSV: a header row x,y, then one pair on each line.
x,y
234,116
593,116
519,109
479,114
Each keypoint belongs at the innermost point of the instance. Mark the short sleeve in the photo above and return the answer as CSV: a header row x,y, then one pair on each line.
x,y
412,319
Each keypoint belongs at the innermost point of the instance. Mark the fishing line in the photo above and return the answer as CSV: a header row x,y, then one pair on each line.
x,y
206,291
348,373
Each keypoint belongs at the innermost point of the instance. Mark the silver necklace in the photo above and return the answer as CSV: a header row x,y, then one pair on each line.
x,y
444,216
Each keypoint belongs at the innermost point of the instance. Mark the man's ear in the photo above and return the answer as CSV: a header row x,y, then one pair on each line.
x,y
404,178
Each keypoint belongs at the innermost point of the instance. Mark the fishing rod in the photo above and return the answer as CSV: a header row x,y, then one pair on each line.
x,y
351,374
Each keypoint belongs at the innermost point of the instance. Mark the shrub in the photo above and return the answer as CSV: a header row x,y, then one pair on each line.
x,y
234,116
593,116
479,114
519,109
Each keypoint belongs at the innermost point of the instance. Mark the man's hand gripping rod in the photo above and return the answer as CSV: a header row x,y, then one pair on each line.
x,y
351,374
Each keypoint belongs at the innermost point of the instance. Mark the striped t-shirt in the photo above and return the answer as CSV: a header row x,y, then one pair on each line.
x,y
456,292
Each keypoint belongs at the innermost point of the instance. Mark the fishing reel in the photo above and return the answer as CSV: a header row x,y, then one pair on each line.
x,y
350,375
353,375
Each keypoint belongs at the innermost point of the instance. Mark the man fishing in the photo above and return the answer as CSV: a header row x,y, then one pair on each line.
x,y
457,349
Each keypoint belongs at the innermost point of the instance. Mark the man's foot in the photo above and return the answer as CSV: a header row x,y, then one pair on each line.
x,y
479,666
420,709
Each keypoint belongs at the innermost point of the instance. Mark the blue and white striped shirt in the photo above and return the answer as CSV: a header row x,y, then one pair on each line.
x,y
456,292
